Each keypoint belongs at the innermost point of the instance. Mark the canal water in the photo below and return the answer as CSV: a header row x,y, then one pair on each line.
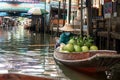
x,y
26,52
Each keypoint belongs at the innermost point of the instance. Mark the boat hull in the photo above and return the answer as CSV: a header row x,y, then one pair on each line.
x,y
14,76
93,61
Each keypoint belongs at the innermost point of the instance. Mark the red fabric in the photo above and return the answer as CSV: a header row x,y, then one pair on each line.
x,y
107,0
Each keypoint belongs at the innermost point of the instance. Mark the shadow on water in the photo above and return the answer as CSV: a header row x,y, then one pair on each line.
x,y
76,75
116,72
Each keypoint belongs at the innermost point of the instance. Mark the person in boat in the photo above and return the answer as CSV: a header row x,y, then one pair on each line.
x,y
76,20
78,16
65,35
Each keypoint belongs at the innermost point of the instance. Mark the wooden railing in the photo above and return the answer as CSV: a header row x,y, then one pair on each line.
x,y
107,33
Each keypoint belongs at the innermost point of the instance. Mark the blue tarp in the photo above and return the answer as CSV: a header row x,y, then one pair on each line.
x,y
11,14
3,14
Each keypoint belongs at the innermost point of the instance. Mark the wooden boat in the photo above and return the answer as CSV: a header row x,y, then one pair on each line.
x,y
13,76
92,61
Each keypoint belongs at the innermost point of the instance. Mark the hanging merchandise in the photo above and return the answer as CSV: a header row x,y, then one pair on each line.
x,y
100,9
107,9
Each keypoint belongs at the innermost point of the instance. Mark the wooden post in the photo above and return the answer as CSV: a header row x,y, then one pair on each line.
x,y
78,2
64,11
58,17
89,19
69,12
108,35
42,22
44,30
81,18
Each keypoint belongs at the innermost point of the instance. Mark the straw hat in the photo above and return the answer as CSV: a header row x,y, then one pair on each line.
x,y
67,27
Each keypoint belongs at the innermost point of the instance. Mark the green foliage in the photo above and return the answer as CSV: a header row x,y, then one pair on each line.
x,y
80,44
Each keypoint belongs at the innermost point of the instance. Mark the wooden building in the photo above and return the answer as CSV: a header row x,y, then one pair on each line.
x,y
103,18
105,25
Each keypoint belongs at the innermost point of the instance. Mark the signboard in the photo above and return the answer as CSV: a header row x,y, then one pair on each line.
x,y
15,7
23,7
107,9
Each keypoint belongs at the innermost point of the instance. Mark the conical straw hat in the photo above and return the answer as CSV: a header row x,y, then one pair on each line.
x,y
67,27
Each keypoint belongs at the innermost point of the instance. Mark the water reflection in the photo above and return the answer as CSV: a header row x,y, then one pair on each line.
x,y
26,52
30,63
74,75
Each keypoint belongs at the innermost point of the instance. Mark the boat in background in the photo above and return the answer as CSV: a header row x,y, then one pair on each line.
x,y
90,62
13,76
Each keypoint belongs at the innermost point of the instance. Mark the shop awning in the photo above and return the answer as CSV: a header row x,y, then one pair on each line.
x,y
11,14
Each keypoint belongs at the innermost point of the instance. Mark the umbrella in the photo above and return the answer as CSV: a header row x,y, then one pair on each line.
x,y
37,11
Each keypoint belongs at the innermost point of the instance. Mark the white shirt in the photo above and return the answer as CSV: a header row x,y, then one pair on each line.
x,y
78,15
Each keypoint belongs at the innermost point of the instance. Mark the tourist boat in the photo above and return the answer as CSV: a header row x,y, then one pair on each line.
x,y
92,61
13,76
